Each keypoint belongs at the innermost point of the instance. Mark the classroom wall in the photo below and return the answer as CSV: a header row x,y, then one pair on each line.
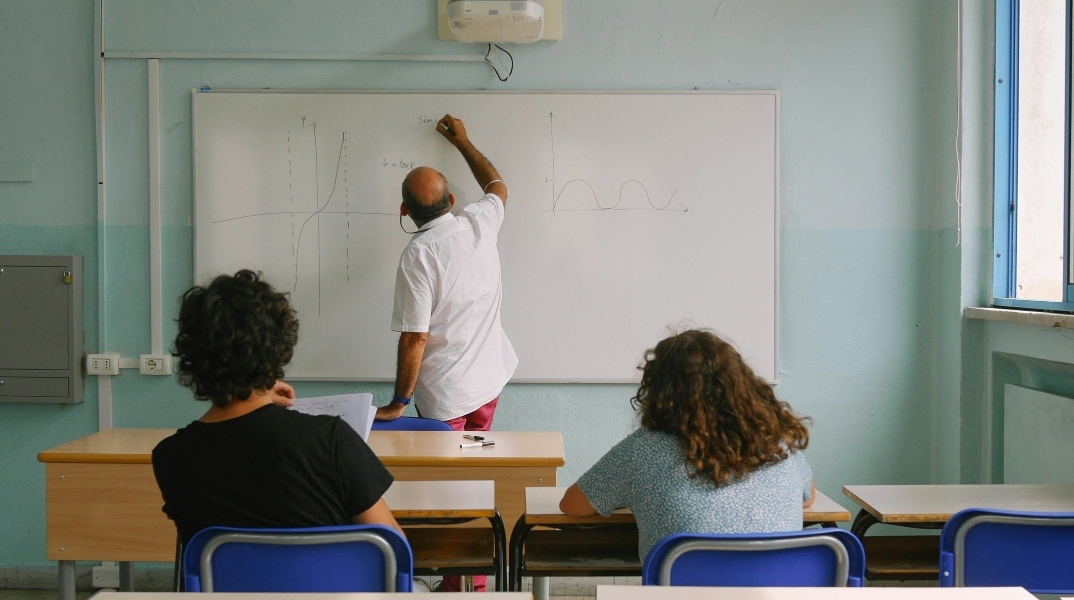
x,y
46,118
1023,375
870,292
1016,381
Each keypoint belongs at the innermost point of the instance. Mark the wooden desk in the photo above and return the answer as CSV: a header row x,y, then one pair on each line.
x,y
423,500
102,501
610,550
935,504
542,508
929,507
439,550
623,592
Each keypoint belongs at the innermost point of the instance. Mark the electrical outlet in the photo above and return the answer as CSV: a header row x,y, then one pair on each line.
x,y
106,577
155,364
102,364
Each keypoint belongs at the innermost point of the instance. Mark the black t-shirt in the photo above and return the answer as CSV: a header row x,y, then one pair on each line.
x,y
273,467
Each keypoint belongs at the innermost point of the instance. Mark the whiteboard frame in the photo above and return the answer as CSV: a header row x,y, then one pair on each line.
x,y
775,93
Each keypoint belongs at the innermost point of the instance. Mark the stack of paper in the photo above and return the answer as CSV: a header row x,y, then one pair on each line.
x,y
356,410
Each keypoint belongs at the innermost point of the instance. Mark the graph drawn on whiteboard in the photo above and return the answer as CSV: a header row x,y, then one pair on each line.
x,y
304,182
317,200
588,193
657,208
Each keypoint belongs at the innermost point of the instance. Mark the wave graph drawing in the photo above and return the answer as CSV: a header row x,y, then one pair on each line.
x,y
556,196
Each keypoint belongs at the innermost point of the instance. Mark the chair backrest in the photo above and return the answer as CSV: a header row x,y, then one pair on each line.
x,y
346,558
810,558
411,424
981,547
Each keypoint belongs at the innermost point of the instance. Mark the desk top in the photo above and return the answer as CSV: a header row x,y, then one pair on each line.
x,y
542,508
441,448
394,448
937,503
442,499
627,592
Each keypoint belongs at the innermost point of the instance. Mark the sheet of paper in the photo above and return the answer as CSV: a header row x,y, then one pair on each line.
x,y
356,410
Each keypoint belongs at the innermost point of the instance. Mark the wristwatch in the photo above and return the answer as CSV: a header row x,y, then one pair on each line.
x,y
396,398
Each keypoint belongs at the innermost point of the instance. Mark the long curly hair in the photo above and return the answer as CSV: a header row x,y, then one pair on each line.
x,y
696,387
235,337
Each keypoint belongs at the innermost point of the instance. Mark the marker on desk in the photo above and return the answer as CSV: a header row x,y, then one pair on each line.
x,y
477,444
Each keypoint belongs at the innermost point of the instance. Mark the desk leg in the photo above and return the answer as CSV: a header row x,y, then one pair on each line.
x,y
862,522
518,540
540,588
500,537
67,580
126,576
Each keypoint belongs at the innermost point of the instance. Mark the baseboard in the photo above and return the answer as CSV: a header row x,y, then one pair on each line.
x,y
146,579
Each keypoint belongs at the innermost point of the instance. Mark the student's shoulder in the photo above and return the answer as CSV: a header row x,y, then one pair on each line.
x,y
793,463
653,440
176,444
294,419
643,443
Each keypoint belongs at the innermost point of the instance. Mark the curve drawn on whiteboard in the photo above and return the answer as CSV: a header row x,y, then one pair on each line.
x,y
596,199
310,215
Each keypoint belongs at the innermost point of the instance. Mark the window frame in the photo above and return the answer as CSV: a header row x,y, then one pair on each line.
x,y
1005,175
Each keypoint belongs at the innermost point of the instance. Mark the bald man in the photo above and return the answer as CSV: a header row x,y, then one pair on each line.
x,y
454,357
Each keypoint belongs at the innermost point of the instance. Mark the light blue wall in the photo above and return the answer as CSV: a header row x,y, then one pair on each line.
x,y
995,356
867,325
46,117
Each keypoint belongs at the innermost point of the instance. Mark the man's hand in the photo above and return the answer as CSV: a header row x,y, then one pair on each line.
x,y
452,129
283,394
391,412
455,132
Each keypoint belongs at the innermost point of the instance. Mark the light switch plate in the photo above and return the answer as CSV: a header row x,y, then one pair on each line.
x,y
102,364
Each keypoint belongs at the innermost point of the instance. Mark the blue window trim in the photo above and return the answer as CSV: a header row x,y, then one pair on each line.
x,y
1005,182
1068,251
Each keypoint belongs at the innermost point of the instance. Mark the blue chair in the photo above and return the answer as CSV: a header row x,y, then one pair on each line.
x,y
827,557
411,424
981,547
345,558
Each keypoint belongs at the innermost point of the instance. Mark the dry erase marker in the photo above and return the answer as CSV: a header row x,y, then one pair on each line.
x,y
477,444
476,438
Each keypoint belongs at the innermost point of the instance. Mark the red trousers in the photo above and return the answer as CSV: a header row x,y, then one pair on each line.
x,y
479,420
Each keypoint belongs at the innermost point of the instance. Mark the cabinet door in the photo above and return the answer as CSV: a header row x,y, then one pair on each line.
x,y
33,318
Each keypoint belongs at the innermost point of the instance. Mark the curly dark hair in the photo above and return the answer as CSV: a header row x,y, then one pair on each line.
x,y
235,337
696,387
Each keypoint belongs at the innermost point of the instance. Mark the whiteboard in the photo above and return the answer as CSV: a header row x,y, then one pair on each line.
x,y
629,213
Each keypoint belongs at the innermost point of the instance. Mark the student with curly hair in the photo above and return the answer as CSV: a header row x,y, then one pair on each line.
x,y
248,461
716,451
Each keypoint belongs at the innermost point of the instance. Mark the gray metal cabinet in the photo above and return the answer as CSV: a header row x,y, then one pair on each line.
x,y
41,337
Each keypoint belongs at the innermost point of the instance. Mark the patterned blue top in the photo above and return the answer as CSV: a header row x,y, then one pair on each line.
x,y
648,473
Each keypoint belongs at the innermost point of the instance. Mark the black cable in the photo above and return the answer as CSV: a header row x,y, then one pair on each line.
x,y
509,55
497,71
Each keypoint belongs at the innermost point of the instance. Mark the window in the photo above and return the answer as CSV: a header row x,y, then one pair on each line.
x,y
1032,133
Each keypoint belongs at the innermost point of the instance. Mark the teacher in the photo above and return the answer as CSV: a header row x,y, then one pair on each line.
x,y
454,357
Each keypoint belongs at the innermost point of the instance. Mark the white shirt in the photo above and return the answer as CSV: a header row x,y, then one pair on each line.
x,y
448,284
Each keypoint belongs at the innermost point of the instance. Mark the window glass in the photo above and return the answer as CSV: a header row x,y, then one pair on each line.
x,y
1042,54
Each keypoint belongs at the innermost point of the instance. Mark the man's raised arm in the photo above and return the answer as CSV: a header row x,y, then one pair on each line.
x,y
455,132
